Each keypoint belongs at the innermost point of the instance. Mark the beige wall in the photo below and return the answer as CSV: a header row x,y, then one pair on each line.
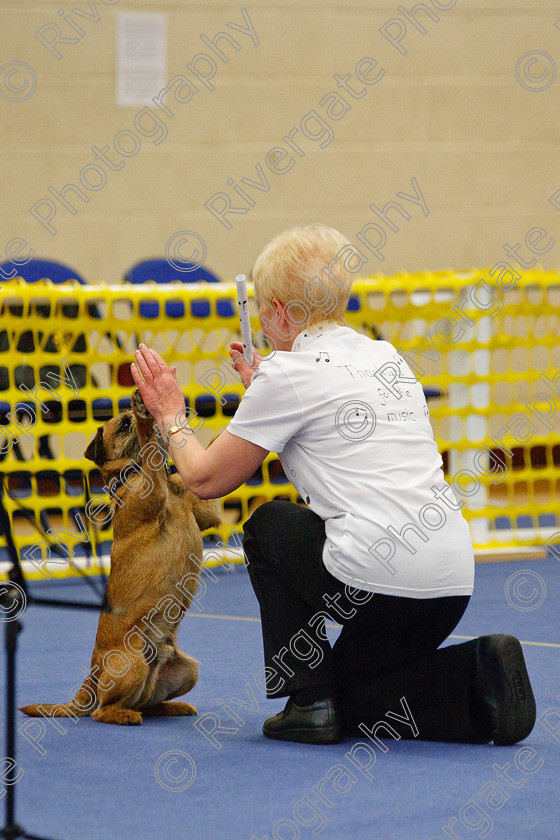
x,y
449,113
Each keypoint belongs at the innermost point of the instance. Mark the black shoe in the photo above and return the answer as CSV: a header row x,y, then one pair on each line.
x,y
315,724
503,696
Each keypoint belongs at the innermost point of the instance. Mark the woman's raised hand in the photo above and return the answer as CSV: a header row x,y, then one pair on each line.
x,y
157,383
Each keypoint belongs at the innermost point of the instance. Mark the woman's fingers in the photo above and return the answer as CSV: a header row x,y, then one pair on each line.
x,y
161,364
157,382
136,375
238,360
141,358
150,363
154,361
240,365
151,367
236,350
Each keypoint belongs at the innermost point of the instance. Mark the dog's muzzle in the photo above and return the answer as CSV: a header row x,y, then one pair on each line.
x,y
96,451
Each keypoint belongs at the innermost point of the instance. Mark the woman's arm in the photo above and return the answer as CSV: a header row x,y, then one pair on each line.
x,y
209,473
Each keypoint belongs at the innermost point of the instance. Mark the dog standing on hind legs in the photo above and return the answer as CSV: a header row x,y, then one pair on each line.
x,y
136,666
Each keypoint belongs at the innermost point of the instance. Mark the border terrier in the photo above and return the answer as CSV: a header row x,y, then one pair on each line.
x,y
136,666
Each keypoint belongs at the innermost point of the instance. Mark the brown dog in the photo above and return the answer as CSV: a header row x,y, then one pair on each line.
x,y
136,667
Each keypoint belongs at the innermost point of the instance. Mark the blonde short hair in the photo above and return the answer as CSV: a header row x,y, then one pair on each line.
x,y
303,268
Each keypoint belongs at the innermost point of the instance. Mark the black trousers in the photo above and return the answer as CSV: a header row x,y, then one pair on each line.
x,y
388,646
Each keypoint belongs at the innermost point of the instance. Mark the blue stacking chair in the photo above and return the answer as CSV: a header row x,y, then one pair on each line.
x,y
39,269
162,271
35,270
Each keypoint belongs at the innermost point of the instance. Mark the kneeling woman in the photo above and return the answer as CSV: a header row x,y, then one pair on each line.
x,y
381,548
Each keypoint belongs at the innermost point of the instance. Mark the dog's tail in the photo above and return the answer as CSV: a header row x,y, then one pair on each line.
x,y
83,704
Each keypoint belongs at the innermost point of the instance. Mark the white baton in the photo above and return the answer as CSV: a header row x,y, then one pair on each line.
x,y
243,303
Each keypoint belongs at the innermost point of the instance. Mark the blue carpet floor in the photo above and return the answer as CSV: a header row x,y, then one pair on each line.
x,y
170,779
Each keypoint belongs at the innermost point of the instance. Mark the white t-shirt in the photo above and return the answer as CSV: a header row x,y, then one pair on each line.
x,y
350,424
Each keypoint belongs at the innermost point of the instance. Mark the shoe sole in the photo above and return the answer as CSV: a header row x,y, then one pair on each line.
x,y
332,735
515,701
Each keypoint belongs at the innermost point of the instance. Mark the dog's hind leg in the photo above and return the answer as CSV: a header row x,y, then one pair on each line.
x,y
175,677
117,714
117,701
173,709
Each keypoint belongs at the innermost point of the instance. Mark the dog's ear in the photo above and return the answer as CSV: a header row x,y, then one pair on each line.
x,y
96,451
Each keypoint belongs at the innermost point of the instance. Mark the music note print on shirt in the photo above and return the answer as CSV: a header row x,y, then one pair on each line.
x,y
323,353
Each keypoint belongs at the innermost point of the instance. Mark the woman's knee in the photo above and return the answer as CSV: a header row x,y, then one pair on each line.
x,y
259,529
264,515
284,533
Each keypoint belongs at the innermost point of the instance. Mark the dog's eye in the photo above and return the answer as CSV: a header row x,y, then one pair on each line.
x,y
125,425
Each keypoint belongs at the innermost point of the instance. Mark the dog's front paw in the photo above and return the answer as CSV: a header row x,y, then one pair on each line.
x,y
139,408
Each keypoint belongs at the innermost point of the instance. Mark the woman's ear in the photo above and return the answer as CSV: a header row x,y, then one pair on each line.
x,y
278,310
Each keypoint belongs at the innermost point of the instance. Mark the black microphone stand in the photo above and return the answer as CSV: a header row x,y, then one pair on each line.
x,y
12,601
14,597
